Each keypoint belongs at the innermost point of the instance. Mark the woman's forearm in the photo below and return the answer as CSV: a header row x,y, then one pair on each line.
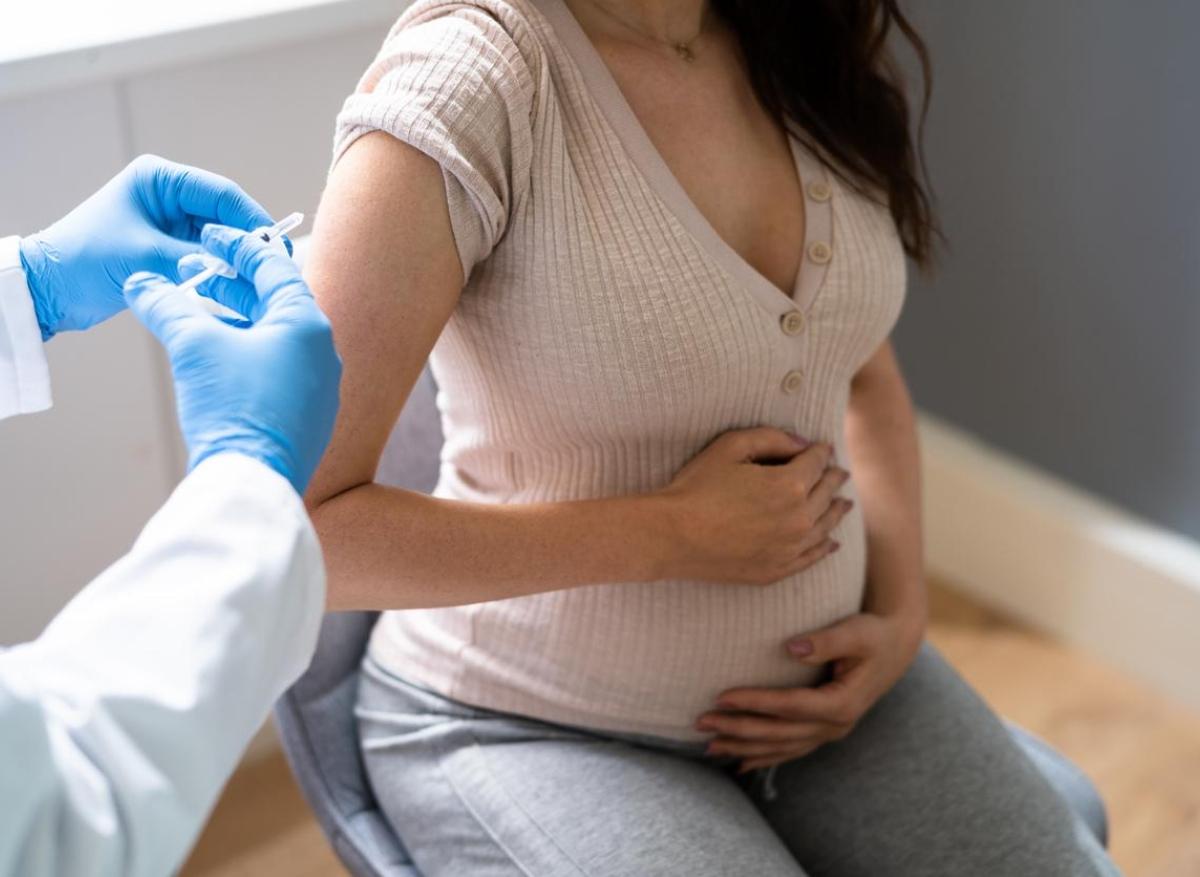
x,y
387,548
882,438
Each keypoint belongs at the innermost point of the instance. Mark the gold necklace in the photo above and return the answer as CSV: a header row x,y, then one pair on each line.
x,y
682,48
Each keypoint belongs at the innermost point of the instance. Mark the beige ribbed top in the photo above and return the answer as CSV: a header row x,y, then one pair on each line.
x,y
606,334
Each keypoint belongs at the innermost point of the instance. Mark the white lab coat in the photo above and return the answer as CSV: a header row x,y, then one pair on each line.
x,y
121,722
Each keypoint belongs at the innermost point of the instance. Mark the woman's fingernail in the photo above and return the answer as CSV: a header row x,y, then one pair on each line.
x,y
725,705
836,547
801,648
800,440
704,725
712,749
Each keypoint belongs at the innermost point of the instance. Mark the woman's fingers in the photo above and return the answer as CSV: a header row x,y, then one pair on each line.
x,y
832,703
756,444
830,518
819,513
767,726
831,481
853,637
807,468
811,556
735,747
754,727
833,515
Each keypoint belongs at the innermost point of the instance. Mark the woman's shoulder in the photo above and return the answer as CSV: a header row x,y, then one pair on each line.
x,y
503,11
475,29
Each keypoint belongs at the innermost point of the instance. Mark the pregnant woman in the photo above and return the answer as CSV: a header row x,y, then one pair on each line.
x,y
663,614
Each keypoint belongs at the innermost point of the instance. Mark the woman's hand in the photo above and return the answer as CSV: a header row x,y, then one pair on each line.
x,y
737,519
768,726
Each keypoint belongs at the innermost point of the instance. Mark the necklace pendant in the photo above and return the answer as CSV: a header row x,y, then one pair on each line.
x,y
684,51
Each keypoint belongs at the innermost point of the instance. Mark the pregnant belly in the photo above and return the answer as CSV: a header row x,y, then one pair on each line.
x,y
637,658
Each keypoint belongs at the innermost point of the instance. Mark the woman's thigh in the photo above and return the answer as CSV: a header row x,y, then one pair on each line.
x,y
479,793
929,783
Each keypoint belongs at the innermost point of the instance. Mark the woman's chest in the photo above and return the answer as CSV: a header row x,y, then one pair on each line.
x,y
608,305
729,155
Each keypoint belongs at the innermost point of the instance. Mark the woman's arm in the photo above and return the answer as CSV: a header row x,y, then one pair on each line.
x,y
385,269
881,432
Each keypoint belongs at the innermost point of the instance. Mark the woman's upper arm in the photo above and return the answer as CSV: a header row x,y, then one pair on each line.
x,y
385,269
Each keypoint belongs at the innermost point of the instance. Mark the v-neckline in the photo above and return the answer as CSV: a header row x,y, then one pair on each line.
x,y
812,176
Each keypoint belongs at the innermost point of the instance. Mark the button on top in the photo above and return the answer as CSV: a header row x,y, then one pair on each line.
x,y
819,190
820,252
792,323
793,381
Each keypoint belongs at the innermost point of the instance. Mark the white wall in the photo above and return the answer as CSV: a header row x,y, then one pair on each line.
x,y
79,481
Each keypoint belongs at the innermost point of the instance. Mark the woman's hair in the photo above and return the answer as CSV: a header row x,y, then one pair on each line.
x,y
824,67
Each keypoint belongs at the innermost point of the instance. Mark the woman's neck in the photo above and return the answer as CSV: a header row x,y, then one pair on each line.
x,y
667,21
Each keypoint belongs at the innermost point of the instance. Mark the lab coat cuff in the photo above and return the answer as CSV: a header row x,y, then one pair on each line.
x,y
24,374
262,494
258,478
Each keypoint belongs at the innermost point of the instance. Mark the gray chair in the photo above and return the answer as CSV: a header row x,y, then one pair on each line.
x,y
316,721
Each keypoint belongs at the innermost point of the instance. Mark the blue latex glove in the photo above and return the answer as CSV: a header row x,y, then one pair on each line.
x,y
267,388
144,219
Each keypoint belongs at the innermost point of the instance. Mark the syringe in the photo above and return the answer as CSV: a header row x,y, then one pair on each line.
x,y
214,267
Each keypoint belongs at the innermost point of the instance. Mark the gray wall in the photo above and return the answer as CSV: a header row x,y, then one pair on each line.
x,y
1063,143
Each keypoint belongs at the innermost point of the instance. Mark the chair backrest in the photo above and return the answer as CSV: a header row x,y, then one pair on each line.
x,y
315,716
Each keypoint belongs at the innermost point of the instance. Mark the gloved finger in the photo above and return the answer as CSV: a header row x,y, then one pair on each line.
x,y
235,322
159,305
159,253
298,310
275,276
207,197
234,293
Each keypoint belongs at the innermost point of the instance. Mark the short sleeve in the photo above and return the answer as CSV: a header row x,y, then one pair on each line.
x,y
453,83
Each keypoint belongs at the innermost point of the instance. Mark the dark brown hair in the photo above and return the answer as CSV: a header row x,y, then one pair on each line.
x,y
825,69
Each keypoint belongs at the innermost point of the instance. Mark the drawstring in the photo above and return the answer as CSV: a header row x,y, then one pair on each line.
x,y
766,778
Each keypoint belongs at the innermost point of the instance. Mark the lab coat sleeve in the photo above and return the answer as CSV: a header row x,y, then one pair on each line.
x,y
121,723
24,377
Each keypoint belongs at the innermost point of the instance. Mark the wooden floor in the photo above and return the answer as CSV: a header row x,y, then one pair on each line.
x,y
1142,751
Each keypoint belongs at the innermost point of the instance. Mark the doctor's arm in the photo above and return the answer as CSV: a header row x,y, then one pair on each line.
x,y
69,276
123,720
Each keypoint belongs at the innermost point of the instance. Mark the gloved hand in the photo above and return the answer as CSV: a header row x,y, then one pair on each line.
x,y
144,219
267,389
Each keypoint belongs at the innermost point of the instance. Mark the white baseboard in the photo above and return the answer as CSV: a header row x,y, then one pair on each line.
x,y
1049,554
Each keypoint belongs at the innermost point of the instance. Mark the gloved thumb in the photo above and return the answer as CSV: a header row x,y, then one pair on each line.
x,y
232,292
159,304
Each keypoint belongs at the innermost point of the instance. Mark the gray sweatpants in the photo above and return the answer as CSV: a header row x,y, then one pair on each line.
x,y
928,783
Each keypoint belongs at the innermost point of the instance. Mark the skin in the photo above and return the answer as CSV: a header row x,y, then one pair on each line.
x,y
723,518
